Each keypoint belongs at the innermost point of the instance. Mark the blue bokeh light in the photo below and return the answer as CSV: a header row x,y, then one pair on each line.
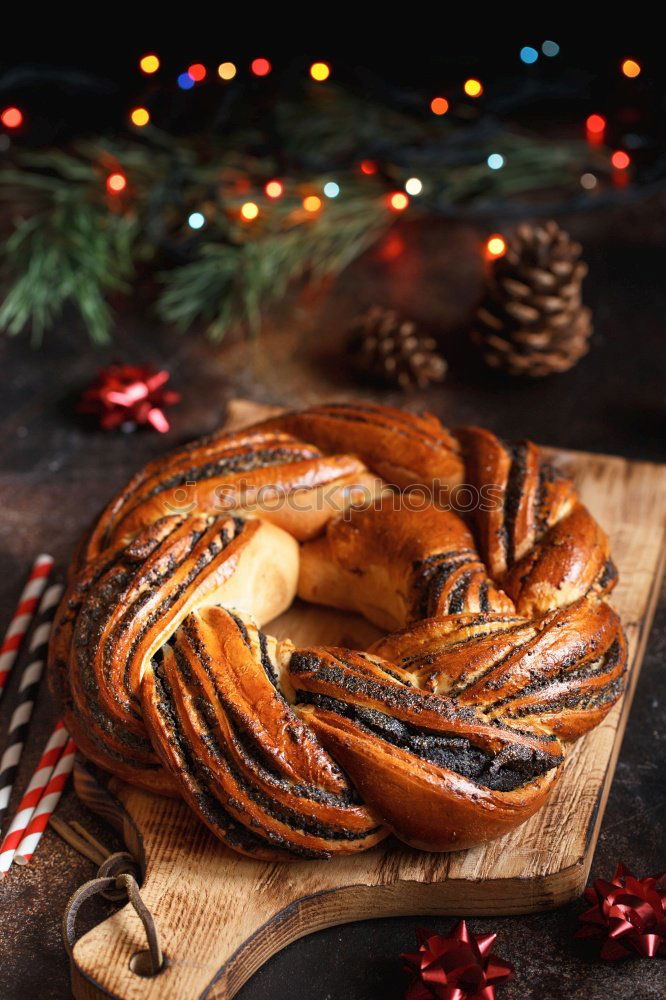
x,y
185,81
550,49
528,54
331,189
196,220
495,161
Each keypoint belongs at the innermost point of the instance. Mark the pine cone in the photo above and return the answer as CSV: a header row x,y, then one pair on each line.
x,y
532,320
389,349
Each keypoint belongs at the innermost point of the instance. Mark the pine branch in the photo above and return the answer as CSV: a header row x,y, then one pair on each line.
x,y
230,284
71,252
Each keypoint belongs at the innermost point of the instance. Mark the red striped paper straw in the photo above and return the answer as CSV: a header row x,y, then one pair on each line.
x,y
33,794
46,806
22,616
26,695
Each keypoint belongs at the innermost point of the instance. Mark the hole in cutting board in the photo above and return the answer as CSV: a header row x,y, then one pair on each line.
x,y
141,965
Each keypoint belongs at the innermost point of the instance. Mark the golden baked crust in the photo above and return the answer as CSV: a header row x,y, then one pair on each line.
x,y
447,732
402,448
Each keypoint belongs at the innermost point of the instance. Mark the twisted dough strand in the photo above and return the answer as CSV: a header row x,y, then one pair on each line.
x,y
402,448
254,772
229,473
538,541
559,671
394,564
440,775
119,612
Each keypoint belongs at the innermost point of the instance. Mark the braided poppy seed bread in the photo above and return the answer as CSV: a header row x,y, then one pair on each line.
x,y
447,732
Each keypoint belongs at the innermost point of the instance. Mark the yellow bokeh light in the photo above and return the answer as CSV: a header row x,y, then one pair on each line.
x,y
496,246
140,117
149,64
320,71
473,88
312,203
631,68
249,211
398,201
116,183
274,189
226,71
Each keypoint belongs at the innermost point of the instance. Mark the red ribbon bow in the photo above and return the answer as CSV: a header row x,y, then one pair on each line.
x,y
457,967
630,912
129,394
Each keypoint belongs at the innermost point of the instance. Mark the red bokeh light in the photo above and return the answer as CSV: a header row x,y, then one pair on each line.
x,y
392,248
595,124
620,159
11,118
197,72
260,67
439,105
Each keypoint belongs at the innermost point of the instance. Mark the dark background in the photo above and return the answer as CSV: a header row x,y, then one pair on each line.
x,y
74,88
58,472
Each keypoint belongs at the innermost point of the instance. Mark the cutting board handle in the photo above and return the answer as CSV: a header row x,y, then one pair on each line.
x,y
116,880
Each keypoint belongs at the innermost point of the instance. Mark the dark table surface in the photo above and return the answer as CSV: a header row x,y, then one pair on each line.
x,y
57,472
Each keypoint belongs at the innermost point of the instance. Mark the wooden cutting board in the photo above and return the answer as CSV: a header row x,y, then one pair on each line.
x,y
220,916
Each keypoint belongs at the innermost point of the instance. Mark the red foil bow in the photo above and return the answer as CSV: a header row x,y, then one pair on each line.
x,y
629,912
129,395
457,967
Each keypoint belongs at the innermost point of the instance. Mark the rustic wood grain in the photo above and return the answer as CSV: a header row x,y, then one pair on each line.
x,y
221,916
